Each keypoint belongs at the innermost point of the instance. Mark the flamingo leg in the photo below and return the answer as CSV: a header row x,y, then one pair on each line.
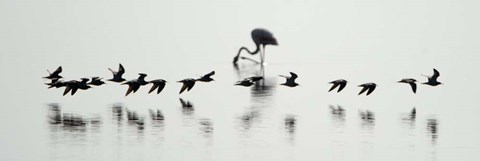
x,y
263,53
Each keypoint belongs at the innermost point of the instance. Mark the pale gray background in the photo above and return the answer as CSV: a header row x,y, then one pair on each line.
x,y
378,41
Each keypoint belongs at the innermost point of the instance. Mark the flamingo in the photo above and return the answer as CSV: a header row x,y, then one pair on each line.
x,y
261,37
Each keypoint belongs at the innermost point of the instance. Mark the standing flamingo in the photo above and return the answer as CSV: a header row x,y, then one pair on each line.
x,y
261,37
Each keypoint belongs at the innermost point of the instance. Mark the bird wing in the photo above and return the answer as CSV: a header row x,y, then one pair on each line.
x,y
154,86
160,87
74,89
293,77
58,71
436,74
335,85
113,72
135,87
414,86
121,70
363,90
287,78
190,85
370,89
67,89
342,85
184,86
132,88
209,74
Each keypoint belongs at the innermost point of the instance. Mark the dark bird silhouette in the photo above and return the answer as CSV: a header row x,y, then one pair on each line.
x,y
187,84
412,83
290,80
157,84
55,74
74,85
55,82
96,81
432,81
206,77
117,75
247,82
261,37
367,86
255,78
134,85
341,83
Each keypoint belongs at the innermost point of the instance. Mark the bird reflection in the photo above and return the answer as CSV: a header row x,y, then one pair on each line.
x,y
69,121
290,123
368,119
135,120
248,118
117,114
290,127
432,129
409,118
338,113
55,116
206,127
187,107
156,115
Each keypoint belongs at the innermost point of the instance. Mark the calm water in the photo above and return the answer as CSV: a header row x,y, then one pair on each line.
x,y
219,121
320,41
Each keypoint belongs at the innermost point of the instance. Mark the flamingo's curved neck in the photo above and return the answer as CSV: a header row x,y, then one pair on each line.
x,y
245,48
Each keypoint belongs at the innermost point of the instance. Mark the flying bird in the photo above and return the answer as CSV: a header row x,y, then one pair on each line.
x,y
412,83
158,84
261,37
117,75
290,80
134,85
74,85
247,82
341,83
96,81
187,84
432,81
367,86
206,77
55,82
55,74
